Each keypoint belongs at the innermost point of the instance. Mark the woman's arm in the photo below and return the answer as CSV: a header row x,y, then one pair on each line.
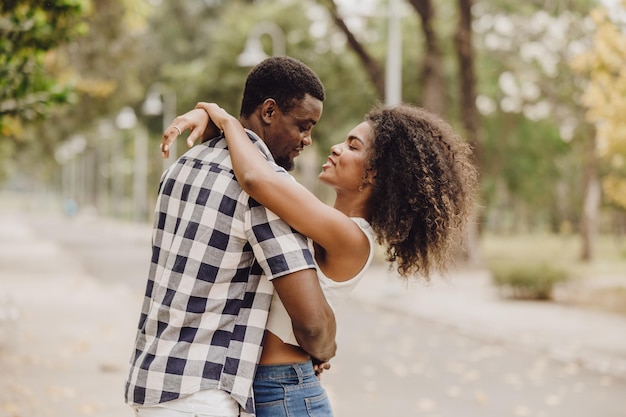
x,y
292,202
199,124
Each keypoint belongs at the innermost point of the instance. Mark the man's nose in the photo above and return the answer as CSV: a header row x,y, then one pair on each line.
x,y
307,139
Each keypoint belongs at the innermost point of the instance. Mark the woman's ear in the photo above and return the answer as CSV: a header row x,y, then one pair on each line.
x,y
268,110
368,179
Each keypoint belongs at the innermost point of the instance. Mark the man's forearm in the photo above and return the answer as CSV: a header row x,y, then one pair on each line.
x,y
318,341
312,318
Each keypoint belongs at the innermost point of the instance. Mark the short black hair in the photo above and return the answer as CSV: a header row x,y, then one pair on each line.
x,y
282,78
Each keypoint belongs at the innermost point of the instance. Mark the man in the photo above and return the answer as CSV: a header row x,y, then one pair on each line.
x,y
205,307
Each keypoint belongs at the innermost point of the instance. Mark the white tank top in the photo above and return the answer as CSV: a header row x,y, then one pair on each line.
x,y
279,321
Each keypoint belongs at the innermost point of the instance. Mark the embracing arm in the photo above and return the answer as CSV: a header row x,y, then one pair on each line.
x,y
199,125
312,319
292,202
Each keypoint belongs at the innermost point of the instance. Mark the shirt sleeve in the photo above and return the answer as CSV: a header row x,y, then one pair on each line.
x,y
278,248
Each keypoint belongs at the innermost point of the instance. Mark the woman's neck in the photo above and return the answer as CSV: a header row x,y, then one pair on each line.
x,y
352,206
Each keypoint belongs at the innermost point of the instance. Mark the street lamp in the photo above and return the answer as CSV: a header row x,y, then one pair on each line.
x,y
127,120
68,151
161,101
140,175
105,156
78,144
253,52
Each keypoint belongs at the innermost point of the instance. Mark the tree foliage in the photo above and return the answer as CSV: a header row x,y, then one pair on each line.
x,y
532,124
604,63
92,61
30,30
532,134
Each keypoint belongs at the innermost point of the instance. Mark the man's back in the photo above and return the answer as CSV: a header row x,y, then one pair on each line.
x,y
204,312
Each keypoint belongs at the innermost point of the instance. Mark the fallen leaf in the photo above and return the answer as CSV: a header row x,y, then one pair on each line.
x,y
426,404
88,409
11,409
480,397
453,391
63,392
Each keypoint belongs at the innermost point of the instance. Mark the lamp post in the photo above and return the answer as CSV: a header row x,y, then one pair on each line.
x,y
77,144
62,156
253,52
104,174
161,101
125,121
72,185
140,175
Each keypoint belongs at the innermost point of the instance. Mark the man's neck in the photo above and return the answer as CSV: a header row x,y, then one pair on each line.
x,y
252,124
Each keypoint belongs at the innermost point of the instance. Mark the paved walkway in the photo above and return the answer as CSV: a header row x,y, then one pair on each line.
x,y
65,337
467,301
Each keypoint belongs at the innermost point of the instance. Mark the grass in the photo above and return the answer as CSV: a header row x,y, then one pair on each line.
x,y
558,251
529,281
598,284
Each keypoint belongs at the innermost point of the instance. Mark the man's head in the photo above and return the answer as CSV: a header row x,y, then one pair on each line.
x,y
282,101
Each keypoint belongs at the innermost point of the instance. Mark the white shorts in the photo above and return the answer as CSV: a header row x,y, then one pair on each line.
x,y
207,403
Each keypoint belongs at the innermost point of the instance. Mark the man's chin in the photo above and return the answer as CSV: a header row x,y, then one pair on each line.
x,y
286,163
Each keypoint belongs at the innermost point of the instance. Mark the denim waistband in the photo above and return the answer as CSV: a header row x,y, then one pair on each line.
x,y
300,370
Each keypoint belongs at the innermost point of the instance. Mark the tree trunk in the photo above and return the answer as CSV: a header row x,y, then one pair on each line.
x,y
465,55
433,83
591,204
372,67
469,112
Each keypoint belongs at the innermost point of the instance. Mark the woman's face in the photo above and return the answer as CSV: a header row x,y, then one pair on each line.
x,y
345,167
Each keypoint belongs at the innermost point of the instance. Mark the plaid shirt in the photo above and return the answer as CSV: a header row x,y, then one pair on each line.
x,y
205,306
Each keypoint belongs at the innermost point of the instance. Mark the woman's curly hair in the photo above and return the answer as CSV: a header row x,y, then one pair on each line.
x,y
425,175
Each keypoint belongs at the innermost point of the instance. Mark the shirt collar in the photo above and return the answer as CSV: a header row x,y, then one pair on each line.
x,y
256,139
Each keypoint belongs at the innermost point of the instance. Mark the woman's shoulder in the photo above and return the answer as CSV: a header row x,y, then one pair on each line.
x,y
364,225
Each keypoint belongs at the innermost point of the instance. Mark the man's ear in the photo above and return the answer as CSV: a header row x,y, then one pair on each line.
x,y
268,110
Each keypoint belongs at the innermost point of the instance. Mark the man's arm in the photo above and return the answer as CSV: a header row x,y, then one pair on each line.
x,y
312,318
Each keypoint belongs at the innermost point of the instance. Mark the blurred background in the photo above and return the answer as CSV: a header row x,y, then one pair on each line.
x,y
537,87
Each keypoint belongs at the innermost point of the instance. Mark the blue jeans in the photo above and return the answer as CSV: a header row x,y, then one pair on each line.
x,y
290,390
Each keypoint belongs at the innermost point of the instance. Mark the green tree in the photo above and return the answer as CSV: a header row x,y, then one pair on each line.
x,y
30,85
30,29
533,129
200,61
604,65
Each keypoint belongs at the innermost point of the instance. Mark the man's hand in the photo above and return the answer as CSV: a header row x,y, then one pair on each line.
x,y
320,367
199,124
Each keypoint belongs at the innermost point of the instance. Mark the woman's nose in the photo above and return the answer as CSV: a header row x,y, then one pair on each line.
x,y
335,149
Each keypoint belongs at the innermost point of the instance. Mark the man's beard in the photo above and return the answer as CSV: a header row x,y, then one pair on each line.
x,y
286,163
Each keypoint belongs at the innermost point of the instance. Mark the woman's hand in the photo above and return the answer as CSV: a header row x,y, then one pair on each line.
x,y
199,124
218,115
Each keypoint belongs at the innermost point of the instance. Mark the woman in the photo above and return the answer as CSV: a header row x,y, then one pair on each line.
x,y
402,178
